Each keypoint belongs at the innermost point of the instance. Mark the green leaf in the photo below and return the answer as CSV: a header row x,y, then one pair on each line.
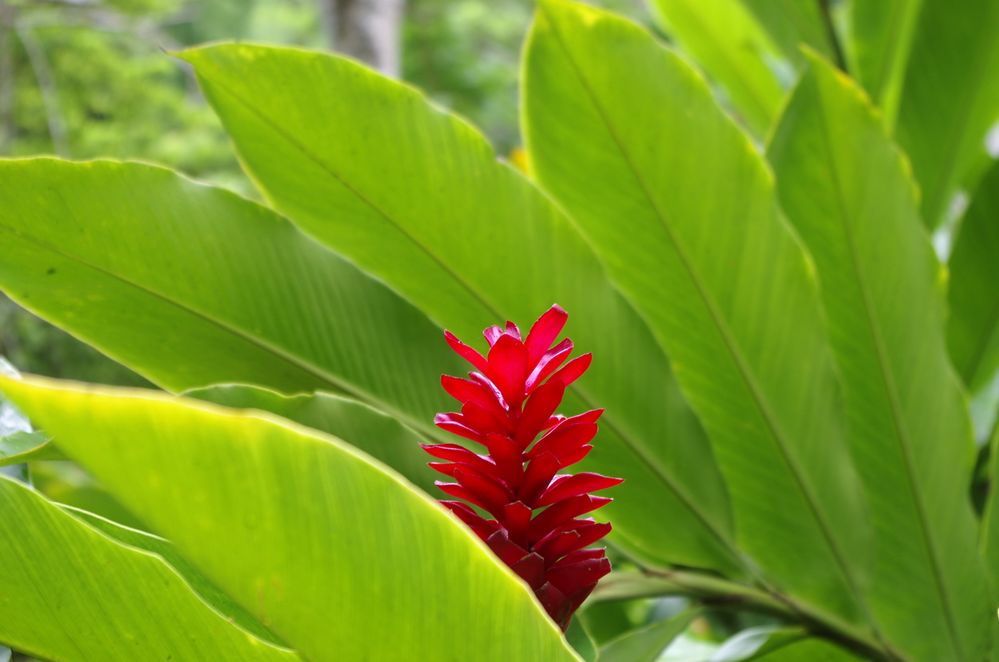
x,y
988,539
847,190
21,447
67,484
361,426
725,38
70,592
682,208
647,643
581,640
791,23
416,197
207,591
950,98
337,555
973,324
119,253
756,643
807,650
878,46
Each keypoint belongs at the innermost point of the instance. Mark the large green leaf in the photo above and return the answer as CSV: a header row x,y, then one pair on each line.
x,y
334,553
973,324
846,188
358,424
71,593
682,208
416,196
725,38
950,98
190,286
207,591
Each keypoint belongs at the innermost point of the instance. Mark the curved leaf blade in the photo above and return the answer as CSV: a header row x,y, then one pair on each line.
x,y
21,447
879,42
791,23
973,323
207,591
949,99
647,644
190,286
725,38
683,211
321,544
361,426
429,210
846,188
69,592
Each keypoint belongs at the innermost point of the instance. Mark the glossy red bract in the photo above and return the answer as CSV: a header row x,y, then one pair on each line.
x,y
539,524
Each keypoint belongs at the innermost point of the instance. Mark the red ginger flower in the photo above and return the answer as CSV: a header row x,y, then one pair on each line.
x,y
510,399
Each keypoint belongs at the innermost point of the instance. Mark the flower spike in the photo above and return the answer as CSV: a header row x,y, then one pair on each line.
x,y
508,407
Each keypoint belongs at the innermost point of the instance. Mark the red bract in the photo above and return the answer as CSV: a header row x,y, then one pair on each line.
x,y
539,525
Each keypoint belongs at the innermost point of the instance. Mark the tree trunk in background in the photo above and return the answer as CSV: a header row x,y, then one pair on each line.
x,y
367,30
6,77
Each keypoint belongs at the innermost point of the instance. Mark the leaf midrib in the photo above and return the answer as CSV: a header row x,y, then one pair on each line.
x,y
262,344
902,434
608,420
730,346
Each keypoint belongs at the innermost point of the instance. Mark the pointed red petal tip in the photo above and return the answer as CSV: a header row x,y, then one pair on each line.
x,y
541,528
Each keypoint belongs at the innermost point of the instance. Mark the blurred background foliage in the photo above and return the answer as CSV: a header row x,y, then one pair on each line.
x,y
93,78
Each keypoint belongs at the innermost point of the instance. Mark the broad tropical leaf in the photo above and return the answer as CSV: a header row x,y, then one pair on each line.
x,y
207,591
931,65
190,286
846,188
358,424
724,37
429,210
973,324
69,592
327,548
950,99
682,208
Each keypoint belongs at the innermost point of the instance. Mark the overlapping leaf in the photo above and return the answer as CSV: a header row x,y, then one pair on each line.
x,y
69,592
728,42
847,190
973,293
335,554
191,286
416,197
358,424
682,209
930,64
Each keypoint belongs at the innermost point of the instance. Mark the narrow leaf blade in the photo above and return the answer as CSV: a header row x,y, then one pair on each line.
x,y
846,188
682,208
